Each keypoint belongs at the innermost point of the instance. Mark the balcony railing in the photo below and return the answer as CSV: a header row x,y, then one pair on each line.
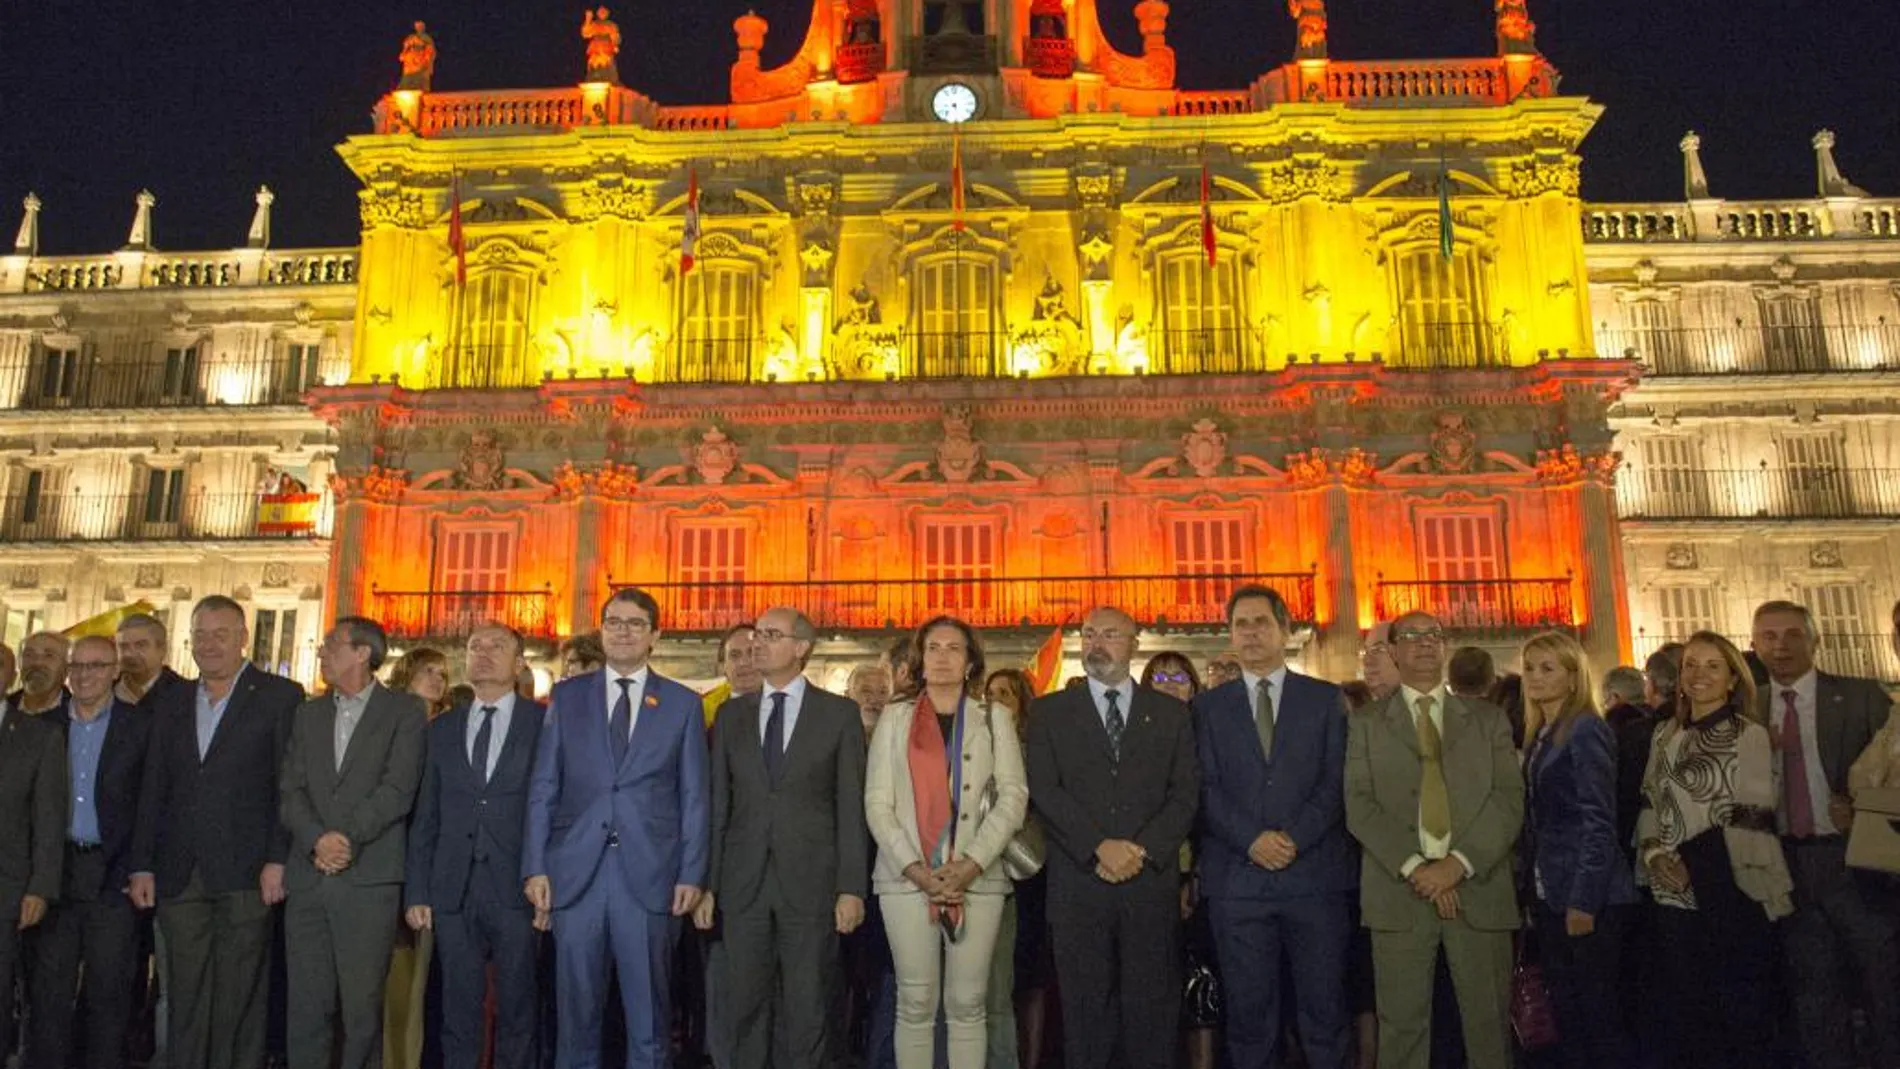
x,y
713,359
1761,350
1867,656
882,604
1481,607
436,614
200,270
929,355
1451,345
1736,220
483,367
1205,350
1814,493
69,379
163,518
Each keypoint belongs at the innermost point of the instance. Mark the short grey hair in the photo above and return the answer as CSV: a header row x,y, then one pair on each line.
x,y
1625,683
143,620
1807,616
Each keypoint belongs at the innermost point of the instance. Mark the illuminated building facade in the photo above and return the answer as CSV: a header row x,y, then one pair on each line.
x,y
1348,331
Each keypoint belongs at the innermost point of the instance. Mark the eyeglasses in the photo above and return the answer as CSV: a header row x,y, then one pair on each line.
x,y
91,666
1375,650
770,634
1419,634
626,624
1173,677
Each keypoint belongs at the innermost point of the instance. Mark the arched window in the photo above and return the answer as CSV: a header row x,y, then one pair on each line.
x,y
718,329
955,322
1443,314
1202,326
492,347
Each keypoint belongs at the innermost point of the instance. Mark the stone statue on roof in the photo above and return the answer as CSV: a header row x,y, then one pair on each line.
x,y
603,47
417,59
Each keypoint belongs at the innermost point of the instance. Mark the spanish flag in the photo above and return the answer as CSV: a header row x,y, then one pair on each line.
x,y
689,223
106,624
1047,662
1208,243
956,180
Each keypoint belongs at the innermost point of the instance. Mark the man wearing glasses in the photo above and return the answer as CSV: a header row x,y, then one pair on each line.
x,y
616,843
1113,779
1276,863
1435,797
94,928
791,851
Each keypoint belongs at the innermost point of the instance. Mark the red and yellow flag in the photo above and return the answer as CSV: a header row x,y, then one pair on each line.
x,y
689,229
1207,215
956,180
458,242
1047,662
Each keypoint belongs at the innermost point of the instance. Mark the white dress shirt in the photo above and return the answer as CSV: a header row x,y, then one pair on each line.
x,y
634,693
1276,681
1125,694
794,701
349,713
1804,711
497,731
1430,847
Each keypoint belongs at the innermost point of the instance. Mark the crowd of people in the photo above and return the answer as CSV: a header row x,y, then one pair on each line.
x,y
1240,866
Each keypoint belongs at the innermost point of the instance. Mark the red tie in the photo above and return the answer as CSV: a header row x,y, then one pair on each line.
x,y
1794,771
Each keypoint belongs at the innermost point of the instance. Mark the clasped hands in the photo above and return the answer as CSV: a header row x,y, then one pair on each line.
x,y
333,853
1273,850
1437,882
945,884
1119,860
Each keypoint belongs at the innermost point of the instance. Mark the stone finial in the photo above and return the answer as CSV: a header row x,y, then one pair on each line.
x,y
27,243
140,239
259,237
1695,181
1151,16
1517,34
750,29
1828,174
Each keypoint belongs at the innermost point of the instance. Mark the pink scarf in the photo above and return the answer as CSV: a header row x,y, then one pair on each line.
x,y
930,792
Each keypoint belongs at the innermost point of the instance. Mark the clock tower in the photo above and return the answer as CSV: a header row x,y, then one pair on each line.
x,y
954,63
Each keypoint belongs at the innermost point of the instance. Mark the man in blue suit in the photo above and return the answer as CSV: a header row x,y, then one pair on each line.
x,y
616,843
464,875
1276,862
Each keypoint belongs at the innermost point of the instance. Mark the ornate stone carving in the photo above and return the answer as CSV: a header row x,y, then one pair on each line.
x,y
622,200
863,309
1546,173
1681,557
609,480
1204,448
1453,444
149,576
1052,305
1094,190
1306,175
276,574
1358,467
1826,555
816,256
378,484
1564,465
815,197
390,206
959,454
715,456
482,465
25,577
1095,248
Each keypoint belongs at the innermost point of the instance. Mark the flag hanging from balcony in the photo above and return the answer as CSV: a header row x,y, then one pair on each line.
x,y
1046,663
285,506
689,231
956,180
1208,244
458,242
1446,248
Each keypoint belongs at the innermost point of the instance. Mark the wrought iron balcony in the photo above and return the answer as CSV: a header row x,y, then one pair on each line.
x,y
183,378
446,614
883,604
1451,344
1816,493
701,359
160,518
951,355
1866,656
1481,607
1204,350
1758,350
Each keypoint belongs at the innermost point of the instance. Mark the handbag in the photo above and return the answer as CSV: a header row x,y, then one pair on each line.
x,y
1023,857
1533,1017
1874,842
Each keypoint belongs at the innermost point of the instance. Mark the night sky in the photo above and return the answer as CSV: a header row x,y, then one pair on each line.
x,y
201,102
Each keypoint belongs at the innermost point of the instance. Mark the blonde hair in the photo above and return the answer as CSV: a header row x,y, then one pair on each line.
x,y
412,664
1570,656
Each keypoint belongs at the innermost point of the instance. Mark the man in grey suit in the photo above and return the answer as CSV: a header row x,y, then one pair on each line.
x,y
348,783
1821,723
790,850
1435,797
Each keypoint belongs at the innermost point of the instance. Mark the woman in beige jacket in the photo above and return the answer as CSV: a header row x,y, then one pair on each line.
x,y
945,792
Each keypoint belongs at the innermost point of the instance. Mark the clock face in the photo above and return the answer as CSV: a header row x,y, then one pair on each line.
x,y
955,102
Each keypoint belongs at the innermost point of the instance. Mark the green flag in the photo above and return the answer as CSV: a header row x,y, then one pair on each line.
x,y
1445,240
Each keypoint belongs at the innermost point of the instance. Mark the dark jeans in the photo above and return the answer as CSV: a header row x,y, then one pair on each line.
x,y
1581,972
1720,962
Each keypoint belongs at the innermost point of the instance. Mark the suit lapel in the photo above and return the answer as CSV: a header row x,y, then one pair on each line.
x,y
370,724
751,746
520,726
643,714
801,744
1399,717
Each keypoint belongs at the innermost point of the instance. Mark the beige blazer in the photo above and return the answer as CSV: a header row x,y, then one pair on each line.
x,y
990,747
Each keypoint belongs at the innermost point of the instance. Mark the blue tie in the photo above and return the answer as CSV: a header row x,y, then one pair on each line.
x,y
482,736
621,725
775,739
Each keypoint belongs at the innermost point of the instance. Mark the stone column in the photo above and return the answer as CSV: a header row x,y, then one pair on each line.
x,y
1339,640
581,595
347,596
1603,590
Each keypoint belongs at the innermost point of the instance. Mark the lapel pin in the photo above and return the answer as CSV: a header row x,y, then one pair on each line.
x,y
652,702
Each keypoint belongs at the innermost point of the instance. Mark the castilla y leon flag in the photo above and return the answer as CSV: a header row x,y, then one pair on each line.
x,y
458,242
956,180
689,232
1046,663
1207,215
106,624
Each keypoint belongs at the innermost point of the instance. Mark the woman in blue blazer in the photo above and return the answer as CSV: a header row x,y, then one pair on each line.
x,y
1579,878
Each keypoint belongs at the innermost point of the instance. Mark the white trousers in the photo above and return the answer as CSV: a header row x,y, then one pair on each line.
x,y
930,967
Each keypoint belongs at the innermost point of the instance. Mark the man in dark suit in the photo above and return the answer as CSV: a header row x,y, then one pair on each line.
x,y
1112,777
33,801
1276,862
348,784
464,878
1821,723
93,929
43,675
209,849
616,842
1435,797
790,850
